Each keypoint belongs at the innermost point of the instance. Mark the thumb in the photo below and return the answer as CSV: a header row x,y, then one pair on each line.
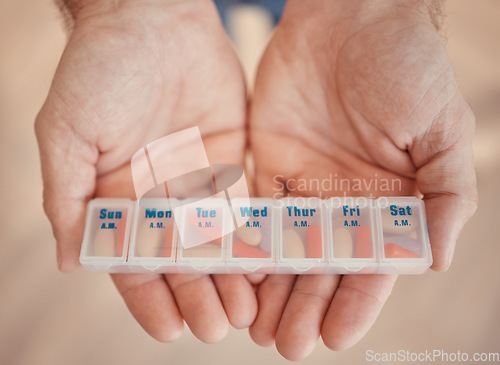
x,y
446,177
69,174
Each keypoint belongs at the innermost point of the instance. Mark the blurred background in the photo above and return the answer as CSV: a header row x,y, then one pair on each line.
x,y
51,318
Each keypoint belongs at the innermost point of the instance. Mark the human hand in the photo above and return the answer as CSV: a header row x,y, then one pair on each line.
x,y
132,73
365,90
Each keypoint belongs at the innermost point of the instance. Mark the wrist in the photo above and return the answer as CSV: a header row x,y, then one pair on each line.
x,y
355,14
76,11
425,11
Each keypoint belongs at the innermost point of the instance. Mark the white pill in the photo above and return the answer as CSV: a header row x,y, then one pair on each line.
x,y
204,250
249,235
149,240
398,224
104,243
342,243
292,244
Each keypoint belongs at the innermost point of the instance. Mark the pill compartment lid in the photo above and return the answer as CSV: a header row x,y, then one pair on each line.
x,y
107,231
202,227
354,233
251,244
404,236
152,239
302,238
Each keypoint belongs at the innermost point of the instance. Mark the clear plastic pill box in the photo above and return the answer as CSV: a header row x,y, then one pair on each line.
x,y
291,235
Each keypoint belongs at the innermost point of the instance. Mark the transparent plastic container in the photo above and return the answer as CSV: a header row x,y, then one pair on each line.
x,y
291,235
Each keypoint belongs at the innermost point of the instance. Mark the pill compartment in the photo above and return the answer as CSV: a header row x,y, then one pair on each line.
x,y
106,236
152,237
203,228
295,235
253,240
301,239
354,233
404,232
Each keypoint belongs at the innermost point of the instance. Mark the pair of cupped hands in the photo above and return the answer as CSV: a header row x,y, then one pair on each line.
x,y
360,89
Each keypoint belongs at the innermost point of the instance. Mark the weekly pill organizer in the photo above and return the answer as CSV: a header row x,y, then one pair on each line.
x,y
257,235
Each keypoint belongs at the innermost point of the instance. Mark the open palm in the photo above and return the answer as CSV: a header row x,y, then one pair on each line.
x,y
126,78
356,97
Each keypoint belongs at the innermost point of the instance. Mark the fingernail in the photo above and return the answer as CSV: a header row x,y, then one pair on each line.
x,y
448,263
59,260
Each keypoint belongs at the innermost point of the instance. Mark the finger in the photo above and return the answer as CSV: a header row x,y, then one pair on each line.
x,y
68,171
238,298
150,301
272,296
446,216
300,324
255,279
200,305
447,179
356,304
